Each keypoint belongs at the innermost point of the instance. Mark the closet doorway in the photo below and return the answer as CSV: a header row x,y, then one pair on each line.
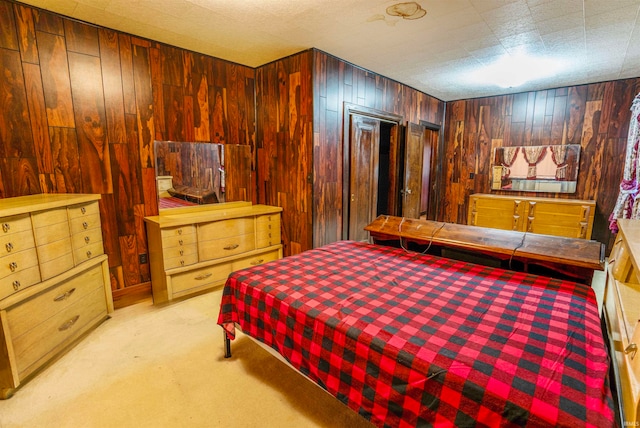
x,y
383,168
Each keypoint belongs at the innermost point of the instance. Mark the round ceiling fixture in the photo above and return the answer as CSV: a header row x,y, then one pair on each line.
x,y
407,10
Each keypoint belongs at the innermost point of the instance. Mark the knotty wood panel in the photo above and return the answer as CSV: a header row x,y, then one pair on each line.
x,y
596,116
26,34
300,132
90,119
15,133
86,105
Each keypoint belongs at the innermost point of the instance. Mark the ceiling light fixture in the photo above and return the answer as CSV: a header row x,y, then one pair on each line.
x,y
511,71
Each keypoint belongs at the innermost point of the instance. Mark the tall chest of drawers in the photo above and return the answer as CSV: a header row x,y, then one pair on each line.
x,y
195,249
621,313
54,280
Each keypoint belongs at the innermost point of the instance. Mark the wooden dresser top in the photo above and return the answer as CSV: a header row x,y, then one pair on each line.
x,y
42,201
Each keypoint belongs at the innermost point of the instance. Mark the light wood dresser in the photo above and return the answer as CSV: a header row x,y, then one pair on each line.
x,y
195,249
571,218
54,280
621,312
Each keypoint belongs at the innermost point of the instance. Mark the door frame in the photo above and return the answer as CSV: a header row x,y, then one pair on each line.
x,y
437,159
348,110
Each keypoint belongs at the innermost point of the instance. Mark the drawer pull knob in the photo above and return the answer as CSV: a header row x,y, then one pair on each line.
x,y
9,247
64,296
181,242
182,252
85,224
231,247
631,349
179,231
181,262
89,254
16,285
6,227
68,324
83,210
257,262
87,239
13,266
203,276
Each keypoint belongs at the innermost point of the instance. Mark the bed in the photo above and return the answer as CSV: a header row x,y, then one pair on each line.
x,y
410,339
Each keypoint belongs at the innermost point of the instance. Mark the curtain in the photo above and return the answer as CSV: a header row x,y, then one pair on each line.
x,y
627,205
533,155
509,156
559,156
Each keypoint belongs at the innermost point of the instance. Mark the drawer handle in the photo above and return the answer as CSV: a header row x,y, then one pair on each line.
x,y
83,210
68,324
85,224
180,242
179,231
6,227
203,276
89,254
87,239
16,285
9,247
181,262
64,296
13,266
631,349
182,252
231,247
257,262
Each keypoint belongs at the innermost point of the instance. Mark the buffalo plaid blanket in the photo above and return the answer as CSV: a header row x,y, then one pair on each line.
x,y
407,339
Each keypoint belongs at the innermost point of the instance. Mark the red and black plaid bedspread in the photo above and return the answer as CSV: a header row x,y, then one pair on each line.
x,y
414,340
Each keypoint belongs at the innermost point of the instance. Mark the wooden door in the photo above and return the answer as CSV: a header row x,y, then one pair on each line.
x,y
413,158
363,174
431,140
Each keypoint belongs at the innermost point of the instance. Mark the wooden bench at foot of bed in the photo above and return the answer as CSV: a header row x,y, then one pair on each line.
x,y
555,256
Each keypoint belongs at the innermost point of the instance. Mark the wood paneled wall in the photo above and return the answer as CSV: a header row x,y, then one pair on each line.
x,y
284,98
300,136
596,116
81,106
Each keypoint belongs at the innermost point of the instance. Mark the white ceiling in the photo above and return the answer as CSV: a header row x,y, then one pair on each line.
x,y
598,40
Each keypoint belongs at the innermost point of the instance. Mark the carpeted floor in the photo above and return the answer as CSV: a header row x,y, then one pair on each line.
x,y
152,366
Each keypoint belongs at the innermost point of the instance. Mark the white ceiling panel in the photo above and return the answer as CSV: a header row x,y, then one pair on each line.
x,y
437,53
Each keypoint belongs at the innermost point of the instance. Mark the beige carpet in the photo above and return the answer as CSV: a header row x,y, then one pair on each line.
x,y
163,367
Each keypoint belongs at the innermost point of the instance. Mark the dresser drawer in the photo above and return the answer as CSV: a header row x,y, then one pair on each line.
x,y
225,228
267,230
55,258
224,247
80,225
15,224
180,256
200,278
87,252
15,242
19,281
180,261
46,339
83,210
89,237
256,260
178,236
17,262
50,225
168,232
